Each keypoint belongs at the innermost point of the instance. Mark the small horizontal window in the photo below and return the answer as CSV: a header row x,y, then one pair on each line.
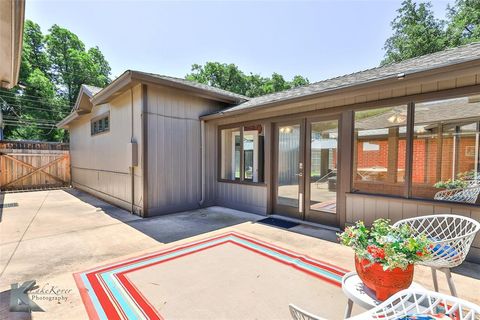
x,y
100,125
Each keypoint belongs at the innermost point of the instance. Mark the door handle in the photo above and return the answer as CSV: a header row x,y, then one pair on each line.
x,y
299,174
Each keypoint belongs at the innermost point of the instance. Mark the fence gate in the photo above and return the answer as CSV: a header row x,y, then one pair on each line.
x,y
26,165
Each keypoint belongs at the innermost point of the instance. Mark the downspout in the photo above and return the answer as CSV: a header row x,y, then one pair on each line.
x,y
202,161
132,168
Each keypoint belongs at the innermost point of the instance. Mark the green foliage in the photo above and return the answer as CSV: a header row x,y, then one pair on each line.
x,y
417,32
451,184
71,65
392,247
230,77
462,181
52,69
464,22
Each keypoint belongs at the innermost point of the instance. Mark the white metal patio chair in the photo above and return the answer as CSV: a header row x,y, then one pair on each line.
x,y
452,236
409,302
300,314
464,195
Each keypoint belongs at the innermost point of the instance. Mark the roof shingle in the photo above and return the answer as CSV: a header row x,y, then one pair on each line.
x,y
427,62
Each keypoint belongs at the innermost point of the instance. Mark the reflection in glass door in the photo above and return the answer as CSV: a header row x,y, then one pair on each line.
x,y
289,170
306,169
323,171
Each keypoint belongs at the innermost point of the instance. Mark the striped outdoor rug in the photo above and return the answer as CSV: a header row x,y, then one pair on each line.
x,y
230,276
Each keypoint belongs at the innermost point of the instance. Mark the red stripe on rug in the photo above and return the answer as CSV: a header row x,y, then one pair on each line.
x,y
87,302
318,263
143,304
107,306
116,265
290,264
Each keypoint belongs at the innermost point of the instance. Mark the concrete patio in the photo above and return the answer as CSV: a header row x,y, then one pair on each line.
x,y
47,236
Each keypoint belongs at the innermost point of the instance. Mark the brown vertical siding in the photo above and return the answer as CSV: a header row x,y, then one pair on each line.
x,y
174,149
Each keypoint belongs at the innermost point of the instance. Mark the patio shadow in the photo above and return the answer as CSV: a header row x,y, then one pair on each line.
x,y
176,226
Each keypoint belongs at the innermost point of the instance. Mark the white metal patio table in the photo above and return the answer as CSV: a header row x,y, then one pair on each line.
x,y
358,293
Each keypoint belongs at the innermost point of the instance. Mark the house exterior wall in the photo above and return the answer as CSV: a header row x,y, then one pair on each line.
x,y
174,150
250,198
257,198
99,163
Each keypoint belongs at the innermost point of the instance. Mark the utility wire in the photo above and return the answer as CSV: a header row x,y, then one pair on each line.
x,y
19,120
19,97
41,121
16,93
21,125
38,108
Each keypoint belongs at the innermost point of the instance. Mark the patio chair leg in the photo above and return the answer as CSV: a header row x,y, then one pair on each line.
x,y
435,280
348,309
451,284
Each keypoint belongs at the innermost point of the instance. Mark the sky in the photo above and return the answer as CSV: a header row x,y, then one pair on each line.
x,y
315,39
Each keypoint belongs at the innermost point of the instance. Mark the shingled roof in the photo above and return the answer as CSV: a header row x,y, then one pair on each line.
x,y
201,86
91,90
444,58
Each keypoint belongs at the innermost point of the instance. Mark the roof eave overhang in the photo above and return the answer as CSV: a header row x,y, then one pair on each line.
x,y
131,78
64,124
344,89
145,78
14,46
114,89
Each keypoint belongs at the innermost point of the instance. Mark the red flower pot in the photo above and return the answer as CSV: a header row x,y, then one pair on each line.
x,y
383,283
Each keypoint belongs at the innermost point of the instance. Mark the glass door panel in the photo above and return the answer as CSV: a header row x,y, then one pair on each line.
x,y
289,170
323,171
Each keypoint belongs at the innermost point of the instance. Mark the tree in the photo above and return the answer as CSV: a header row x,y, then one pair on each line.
x,y
225,76
52,69
230,77
72,65
416,32
33,55
463,22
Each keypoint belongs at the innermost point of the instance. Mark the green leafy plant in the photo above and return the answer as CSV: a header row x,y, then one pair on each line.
x,y
392,247
462,181
451,184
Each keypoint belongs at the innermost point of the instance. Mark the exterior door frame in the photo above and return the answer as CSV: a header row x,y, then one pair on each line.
x,y
326,217
289,211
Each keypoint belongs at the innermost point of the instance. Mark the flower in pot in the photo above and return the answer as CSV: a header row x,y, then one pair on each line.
x,y
385,255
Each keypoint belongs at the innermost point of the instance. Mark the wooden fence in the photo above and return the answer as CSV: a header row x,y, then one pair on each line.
x,y
27,165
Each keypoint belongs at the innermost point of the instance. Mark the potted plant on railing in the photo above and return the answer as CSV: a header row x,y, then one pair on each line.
x,y
385,255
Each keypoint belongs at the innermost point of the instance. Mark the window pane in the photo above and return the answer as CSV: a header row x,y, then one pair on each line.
x,y
445,150
288,165
253,153
323,172
230,154
107,123
380,151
